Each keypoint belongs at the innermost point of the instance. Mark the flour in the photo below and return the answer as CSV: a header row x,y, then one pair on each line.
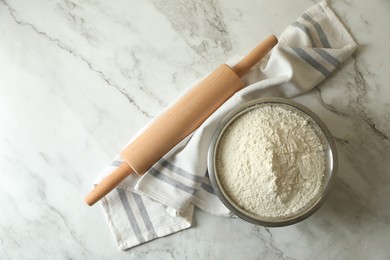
x,y
271,161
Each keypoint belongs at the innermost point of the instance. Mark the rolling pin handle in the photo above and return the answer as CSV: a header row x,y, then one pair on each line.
x,y
255,55
108,184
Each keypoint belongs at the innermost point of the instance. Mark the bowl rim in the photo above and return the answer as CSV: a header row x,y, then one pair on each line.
x,y
248,216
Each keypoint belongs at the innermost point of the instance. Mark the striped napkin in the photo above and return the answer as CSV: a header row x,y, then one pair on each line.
x,y
162,201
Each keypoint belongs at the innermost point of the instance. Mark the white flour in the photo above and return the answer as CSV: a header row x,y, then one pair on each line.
x,y
271,161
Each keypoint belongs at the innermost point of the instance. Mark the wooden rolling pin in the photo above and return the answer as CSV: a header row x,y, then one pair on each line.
x,y
181,119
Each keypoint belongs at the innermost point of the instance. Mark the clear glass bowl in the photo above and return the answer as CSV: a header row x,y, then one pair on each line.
x,y
330,164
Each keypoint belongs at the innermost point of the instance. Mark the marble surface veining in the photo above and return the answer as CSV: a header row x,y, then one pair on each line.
x,y
79,78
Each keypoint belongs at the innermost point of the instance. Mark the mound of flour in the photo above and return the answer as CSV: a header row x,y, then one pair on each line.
x,y
271,161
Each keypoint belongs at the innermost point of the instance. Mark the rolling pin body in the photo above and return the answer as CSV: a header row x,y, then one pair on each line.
x,y
181,119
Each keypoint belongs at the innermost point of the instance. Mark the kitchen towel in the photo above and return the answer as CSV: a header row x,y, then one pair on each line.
x,y
162,201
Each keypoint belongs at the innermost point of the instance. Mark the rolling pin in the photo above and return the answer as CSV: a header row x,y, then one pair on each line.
x,y
180,120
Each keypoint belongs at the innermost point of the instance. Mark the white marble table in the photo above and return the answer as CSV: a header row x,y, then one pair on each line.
x,y
78,78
